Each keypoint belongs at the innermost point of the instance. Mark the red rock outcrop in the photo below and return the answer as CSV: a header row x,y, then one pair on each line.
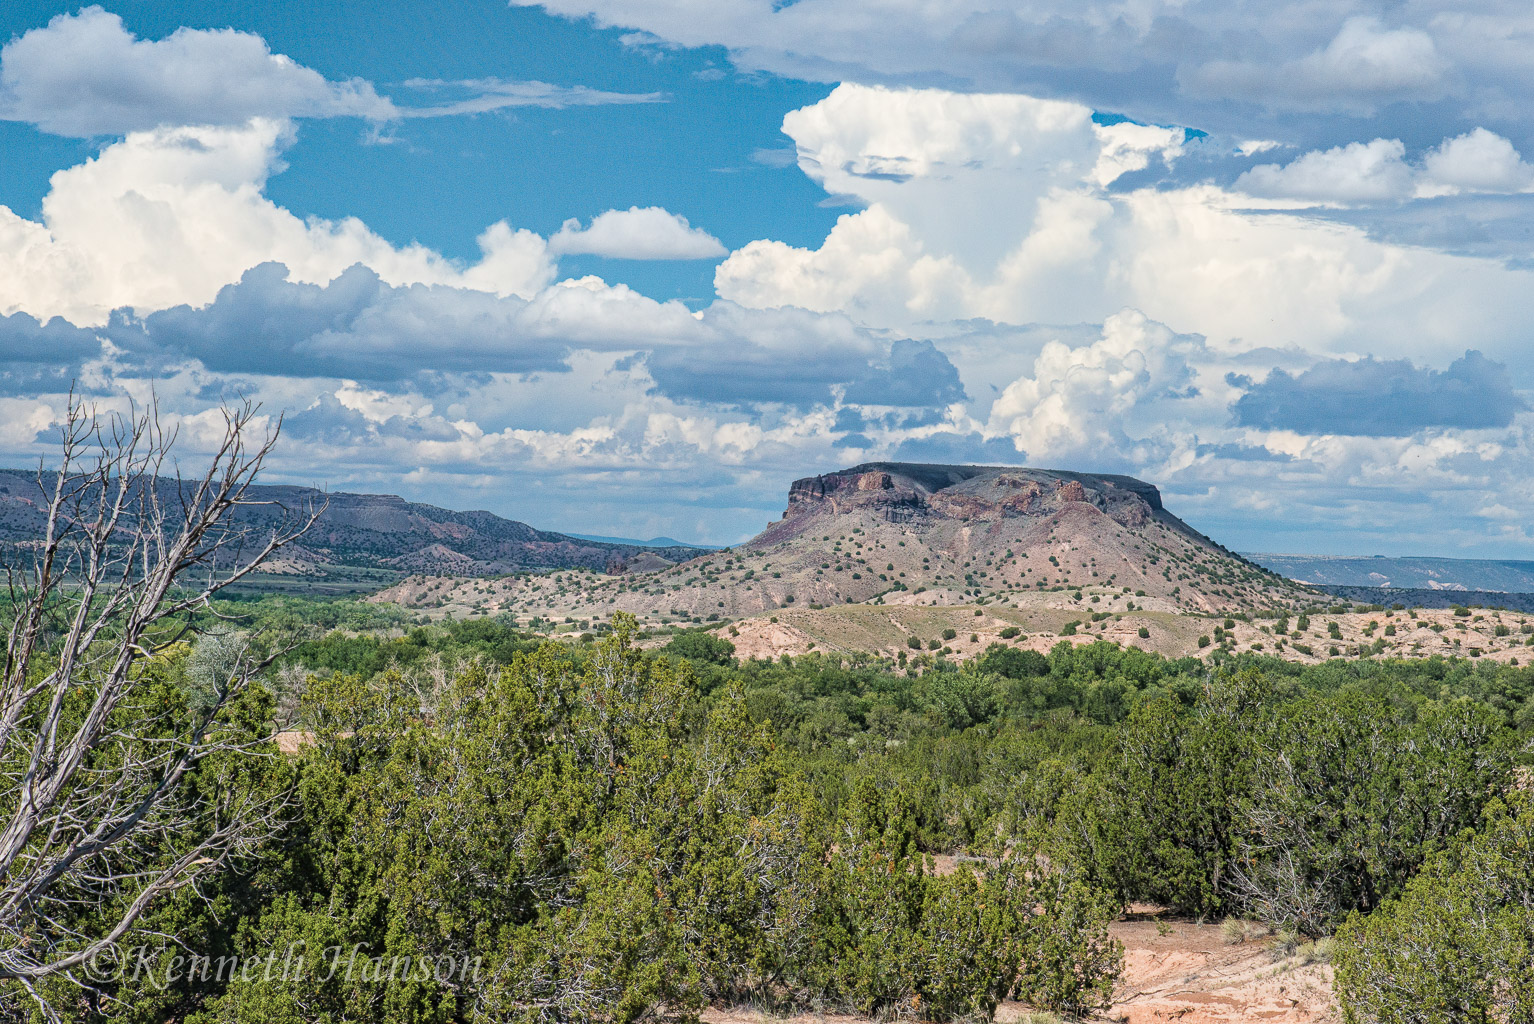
x,y
1071,490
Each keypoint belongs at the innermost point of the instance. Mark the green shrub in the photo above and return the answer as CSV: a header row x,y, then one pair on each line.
x,y
701,645
1458,943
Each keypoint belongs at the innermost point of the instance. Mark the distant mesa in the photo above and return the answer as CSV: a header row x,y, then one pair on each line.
x,y
653,542
891,558
908,535
897,533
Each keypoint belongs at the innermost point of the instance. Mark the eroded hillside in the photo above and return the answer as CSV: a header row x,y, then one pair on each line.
x,y
908,534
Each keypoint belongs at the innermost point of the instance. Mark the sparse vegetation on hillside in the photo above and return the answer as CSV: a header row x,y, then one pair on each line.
x,y
1103,545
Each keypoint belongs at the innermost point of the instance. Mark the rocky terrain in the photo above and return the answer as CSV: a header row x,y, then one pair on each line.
x,y
378,532
910,535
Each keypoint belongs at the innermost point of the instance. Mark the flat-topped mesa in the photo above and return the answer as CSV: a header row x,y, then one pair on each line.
x,y
901,492
899,533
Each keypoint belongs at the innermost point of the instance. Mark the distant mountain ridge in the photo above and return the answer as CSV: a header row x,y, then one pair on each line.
x,y
1509,576
653,542
1413,598
382,531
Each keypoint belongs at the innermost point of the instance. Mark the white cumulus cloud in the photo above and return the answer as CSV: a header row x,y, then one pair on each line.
x,y
638,233
84,74
1103,400
168,216
1357,172
1478,161
1379,171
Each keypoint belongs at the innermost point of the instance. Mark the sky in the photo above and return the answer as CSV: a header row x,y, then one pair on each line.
x,y
629,267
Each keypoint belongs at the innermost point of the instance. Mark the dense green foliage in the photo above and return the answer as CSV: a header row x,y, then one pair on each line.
x,y
606,830
1458,944
581,834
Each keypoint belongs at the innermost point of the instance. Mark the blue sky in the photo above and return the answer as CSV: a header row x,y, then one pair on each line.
x,y
629,268
690,153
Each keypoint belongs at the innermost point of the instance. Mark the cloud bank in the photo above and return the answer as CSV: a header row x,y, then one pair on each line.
x,y
1381,398
1020,277
1295,64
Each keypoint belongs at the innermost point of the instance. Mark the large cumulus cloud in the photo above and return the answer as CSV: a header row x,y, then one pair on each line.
x,y
1013,213
1107,403
170,215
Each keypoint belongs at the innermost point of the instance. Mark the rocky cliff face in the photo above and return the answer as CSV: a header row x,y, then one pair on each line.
x,y
913,492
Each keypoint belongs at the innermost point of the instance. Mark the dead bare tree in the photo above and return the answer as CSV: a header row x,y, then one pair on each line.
x,y
96,821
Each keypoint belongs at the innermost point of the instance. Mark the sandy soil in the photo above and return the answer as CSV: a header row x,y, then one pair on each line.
x,y
1194,975
1191,975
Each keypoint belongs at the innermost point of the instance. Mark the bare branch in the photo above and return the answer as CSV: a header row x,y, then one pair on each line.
x,y
94,811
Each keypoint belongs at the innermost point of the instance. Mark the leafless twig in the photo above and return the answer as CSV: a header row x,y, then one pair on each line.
x,y
95,823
